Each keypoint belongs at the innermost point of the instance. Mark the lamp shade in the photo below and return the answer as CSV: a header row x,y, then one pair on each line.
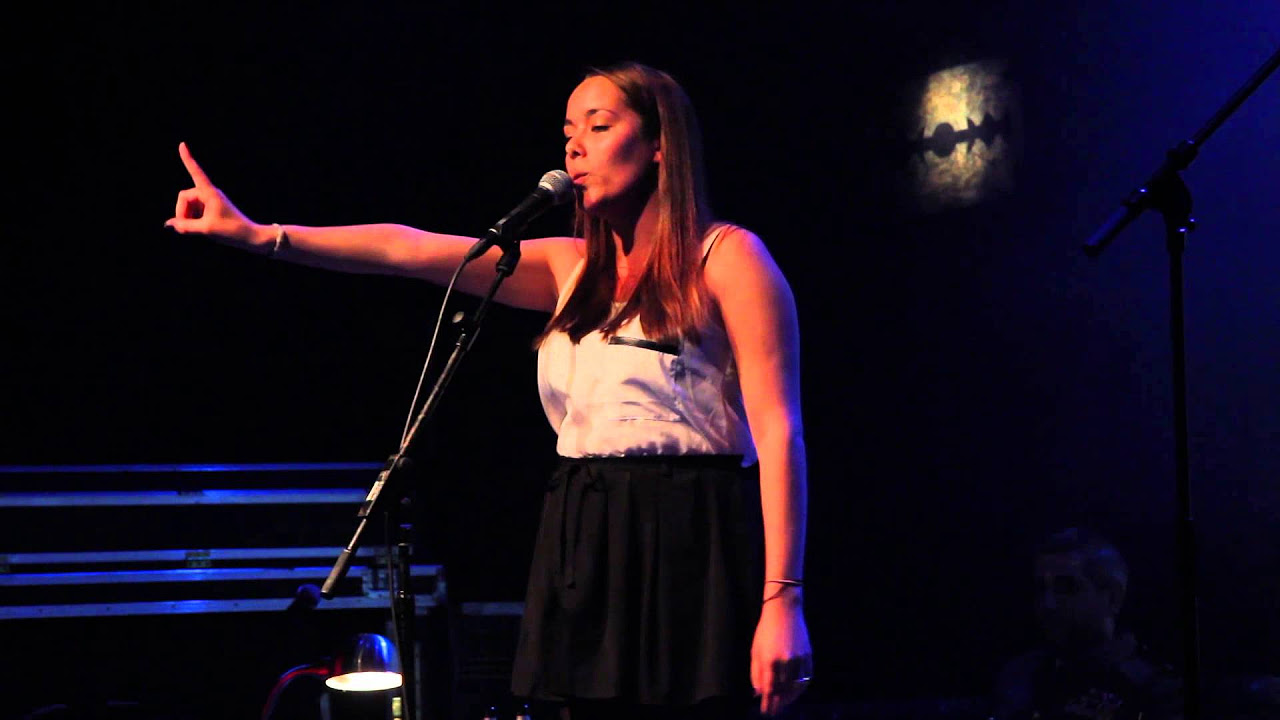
x,y
369,662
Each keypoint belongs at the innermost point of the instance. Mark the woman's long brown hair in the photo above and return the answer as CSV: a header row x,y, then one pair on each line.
x,y
670,297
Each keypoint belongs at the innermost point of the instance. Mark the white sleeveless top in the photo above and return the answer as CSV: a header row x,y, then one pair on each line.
x,y
631,396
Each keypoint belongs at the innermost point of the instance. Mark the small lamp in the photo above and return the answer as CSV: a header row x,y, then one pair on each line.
x,y
369,662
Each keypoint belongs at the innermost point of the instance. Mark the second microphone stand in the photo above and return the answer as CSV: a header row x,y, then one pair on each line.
x,y
1167,193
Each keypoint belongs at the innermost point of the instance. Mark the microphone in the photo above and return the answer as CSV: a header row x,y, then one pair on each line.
x,y
555,188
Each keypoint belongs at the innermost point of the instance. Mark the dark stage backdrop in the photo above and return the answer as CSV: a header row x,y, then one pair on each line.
x,y
971,380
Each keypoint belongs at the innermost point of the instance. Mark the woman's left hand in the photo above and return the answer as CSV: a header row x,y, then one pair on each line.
x,y
781,659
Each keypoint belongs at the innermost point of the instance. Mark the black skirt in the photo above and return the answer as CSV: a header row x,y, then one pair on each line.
x,y
645,583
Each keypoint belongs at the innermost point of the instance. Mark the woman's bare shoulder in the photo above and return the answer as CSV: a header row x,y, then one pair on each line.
x,y
733,250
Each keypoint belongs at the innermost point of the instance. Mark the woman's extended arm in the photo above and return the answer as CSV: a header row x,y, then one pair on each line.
x,y
382,248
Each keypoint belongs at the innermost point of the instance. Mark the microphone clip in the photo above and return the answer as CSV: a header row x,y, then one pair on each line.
x,y
555,188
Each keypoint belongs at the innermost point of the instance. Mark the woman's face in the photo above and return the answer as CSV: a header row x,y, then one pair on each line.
x,y
605,150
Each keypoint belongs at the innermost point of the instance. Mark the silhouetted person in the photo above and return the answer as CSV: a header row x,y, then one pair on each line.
x,y
1085,669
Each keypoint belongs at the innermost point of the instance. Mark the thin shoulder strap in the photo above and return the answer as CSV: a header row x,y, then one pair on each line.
x,y
569,285
710,242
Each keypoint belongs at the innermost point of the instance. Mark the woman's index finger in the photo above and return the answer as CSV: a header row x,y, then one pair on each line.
x,y
193,169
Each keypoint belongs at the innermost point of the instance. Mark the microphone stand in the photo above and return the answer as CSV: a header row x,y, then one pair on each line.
x,y
1166,193
389,495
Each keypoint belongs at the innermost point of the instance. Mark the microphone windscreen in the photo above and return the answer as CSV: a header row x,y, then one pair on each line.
x,y
559,184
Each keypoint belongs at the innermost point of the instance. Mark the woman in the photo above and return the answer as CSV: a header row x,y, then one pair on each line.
x,y
670,363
